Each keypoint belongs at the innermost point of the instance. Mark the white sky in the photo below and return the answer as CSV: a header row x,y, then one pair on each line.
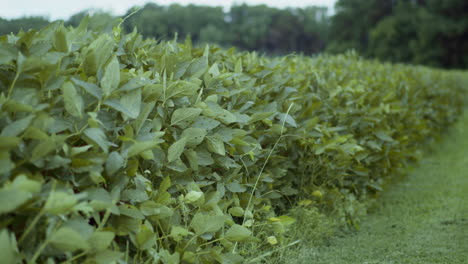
x,y
63,9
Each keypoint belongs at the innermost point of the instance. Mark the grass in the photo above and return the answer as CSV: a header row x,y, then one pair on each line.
x,y
421,219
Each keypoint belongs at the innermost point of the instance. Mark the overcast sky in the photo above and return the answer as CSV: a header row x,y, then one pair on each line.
x,y
63,9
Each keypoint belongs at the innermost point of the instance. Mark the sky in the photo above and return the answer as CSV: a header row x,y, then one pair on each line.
x,y
63,9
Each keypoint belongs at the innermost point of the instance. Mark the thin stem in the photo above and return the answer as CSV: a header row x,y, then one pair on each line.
x,y
273,251
13,84
261,171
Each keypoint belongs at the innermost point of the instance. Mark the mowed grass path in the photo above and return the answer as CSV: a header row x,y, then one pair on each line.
x,y
420,220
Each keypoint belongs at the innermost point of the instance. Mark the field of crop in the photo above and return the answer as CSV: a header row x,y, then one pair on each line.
x,y
119,149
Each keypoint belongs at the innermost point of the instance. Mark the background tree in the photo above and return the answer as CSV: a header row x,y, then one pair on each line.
x,y
352,22
24,23
98,20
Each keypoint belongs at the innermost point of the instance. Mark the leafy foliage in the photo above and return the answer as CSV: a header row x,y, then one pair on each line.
x,y
114,148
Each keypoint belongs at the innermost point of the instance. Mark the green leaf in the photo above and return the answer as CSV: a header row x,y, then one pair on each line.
x,y
61,42
111,78
145,238
72,100
97,136
238,233
180,89
91,88
287,119
68,240
7,53
165,184
178,233
194,136
8,142
202,223
17,127
235,187
383,136
140,147
192,196
237,211
116,105
114,162
132,102
107,256
43,149
12,199
60,203
131,211
8,249
176,149
215,144
101,240
205,123
182,117
198,67
260,116
99,198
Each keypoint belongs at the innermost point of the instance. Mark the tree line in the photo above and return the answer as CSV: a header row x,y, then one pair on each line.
x,y
429,32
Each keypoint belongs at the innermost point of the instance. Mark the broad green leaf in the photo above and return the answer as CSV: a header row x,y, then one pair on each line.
x,y
8,249
165,184
99,198
131,211
43,149
91,88
176,149
67,239
180,89
205,123
178,233
101,240
107,256
237,211
8,142
214,70
238,233
6,165
182,117
272,240
383,136
17,127
23,183
114,162
132,102
97,54
287,119
194,136
215,144
145,238
72,100
111,78
260,116
7,53
116,105
235,187
192,158
193,196
60,203
215,111
139,147
12,198
61,39
97,136
198,67
202,223
238,66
